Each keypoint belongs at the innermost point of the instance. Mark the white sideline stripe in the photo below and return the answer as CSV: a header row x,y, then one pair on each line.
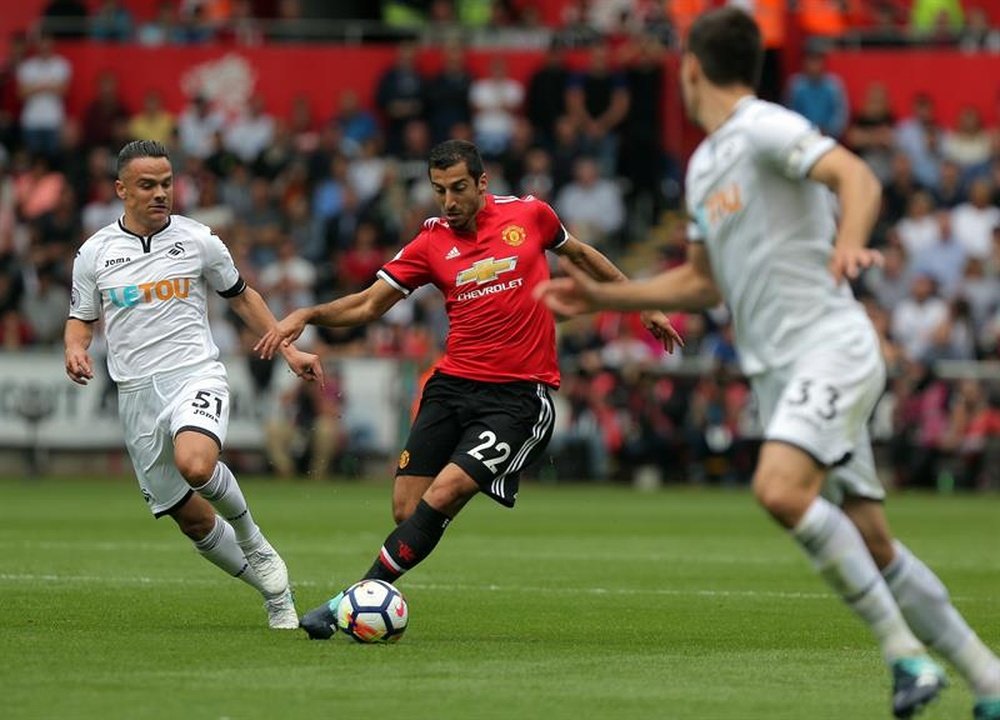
x,y
438,587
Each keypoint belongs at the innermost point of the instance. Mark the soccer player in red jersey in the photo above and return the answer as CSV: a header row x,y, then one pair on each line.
x,y
485,414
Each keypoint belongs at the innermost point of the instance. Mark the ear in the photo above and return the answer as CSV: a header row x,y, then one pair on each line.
x,y
690,67
483,182
120,189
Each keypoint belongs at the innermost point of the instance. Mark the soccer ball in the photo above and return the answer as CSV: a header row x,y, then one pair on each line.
x,y
373,611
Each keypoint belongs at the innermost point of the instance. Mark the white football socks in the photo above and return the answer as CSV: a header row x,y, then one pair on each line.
x,y
838,552
224,493
924,602
219,548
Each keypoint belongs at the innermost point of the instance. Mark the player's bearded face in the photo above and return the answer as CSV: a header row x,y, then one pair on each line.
x,y
459,194
147,190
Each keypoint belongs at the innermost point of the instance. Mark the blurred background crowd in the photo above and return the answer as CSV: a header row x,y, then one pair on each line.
x,y
311,205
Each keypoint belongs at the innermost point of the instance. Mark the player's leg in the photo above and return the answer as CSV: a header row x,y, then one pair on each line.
x,y
406,494
926,605
814,418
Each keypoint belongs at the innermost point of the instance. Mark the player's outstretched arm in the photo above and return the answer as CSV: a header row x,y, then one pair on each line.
x,y
355,309
253,311
599,268
860,196
77,337
690,287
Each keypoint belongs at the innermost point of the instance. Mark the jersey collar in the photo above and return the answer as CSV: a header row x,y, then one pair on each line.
x,y
147,242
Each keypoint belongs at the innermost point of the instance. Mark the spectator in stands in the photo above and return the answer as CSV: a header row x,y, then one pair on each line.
x,y
920,228
43,306
57,233
916,317
598,101
103,209
306,433
918,136
641,156
870,133
42,81
819,95
111,22
950,191
10,97
242,27
974,221
105,114
969,144
955,337
929,16
922,424
591,205
288,280
358,264
194,28
890,283
496,100
981,291
251,132
357,125
978,35
163,29
944,259
210,210
197,127
448,94
153,122
14,330
536,178
546,94
400,96
38,189
899,188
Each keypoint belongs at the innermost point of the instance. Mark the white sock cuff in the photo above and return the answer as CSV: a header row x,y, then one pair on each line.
x,y
815,523
214,536
218,484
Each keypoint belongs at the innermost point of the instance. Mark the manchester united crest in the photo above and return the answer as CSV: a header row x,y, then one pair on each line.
x,y
513,235
404,459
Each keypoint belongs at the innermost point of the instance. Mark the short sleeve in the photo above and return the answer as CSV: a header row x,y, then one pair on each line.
x,y
789,142
409,269
220,270
554,234
84,297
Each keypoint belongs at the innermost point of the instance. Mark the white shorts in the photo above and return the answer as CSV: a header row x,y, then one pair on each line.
x,y
155,411
822,403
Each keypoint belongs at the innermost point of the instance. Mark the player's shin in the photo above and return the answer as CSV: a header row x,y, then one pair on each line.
x,y
226,497
409,543
219,547
924,602
837,551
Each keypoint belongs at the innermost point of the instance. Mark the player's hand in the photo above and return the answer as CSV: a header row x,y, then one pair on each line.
x,y
306,365
79,366
659,325
850,261
281,335
568,296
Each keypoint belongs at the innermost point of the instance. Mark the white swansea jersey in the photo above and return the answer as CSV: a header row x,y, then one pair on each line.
x,y
769,233
153,292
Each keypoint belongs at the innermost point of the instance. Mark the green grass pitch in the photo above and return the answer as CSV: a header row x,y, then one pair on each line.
x,y
584,602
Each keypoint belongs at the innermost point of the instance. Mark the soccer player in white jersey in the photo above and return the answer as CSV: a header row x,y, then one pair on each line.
x,y
149,275
763,221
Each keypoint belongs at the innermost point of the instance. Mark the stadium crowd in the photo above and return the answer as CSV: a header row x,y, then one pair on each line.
x,y
311,207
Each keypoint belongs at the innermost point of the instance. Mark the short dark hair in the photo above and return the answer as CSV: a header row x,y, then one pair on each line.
x,y
727,43
452,152
140,149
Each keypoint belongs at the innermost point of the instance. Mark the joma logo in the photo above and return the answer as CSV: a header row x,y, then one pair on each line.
x,y
111,262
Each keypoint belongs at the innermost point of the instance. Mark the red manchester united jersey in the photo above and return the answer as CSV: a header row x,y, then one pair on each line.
x,y
498,332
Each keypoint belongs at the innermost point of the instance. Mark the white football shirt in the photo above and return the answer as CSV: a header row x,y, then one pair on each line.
x,y
152,292
769,233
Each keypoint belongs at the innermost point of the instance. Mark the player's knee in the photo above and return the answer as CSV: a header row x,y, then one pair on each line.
x,y
195,468
402,508
781,495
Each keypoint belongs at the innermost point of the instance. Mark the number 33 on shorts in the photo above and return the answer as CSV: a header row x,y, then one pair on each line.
x,y
817,397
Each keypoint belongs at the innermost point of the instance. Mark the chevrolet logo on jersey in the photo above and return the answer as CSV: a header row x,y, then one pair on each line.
x,y
485,271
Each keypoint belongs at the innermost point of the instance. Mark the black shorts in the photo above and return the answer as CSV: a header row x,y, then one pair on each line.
x,y
490,430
